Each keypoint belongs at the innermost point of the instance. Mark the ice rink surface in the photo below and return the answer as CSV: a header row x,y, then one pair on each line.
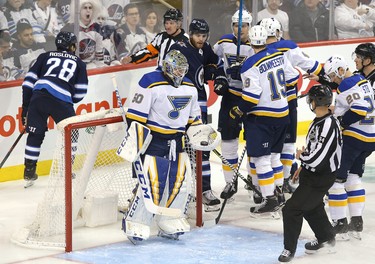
x,y
237,238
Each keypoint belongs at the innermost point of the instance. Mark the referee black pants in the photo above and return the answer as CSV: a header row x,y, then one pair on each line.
x,y
307,202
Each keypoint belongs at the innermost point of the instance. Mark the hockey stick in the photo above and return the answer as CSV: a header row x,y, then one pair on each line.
x,y
235,176
239,32
12,147
138,167
237,173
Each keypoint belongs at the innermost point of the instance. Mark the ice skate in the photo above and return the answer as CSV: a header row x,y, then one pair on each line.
x,y
324,247
210,202
29,173
356,227
267,209
169,236
229,190
257,199
286,256
280,195
341,228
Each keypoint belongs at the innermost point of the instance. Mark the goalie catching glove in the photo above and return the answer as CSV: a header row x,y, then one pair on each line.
x,y
135,142
203,137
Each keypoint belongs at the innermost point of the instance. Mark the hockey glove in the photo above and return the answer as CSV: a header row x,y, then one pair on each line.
x,y
24,116
234,71
221,85
235,115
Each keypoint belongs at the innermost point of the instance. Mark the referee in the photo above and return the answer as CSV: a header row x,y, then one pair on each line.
x,y
319,163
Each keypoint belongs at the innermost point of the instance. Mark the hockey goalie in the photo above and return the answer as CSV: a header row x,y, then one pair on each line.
x,y
164,104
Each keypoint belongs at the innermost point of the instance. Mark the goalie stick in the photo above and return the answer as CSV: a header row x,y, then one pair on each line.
x,y
138,167
12,147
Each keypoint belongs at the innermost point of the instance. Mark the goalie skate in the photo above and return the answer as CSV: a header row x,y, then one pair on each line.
x,y
210,202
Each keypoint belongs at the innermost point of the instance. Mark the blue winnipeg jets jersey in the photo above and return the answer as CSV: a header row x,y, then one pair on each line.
x,y
265,76
165,109
197,59
62,74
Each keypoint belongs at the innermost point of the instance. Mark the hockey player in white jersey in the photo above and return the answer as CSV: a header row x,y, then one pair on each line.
x,y
264,108
165,102
354,106
231,91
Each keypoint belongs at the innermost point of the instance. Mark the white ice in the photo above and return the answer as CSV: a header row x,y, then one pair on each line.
x,y
236,239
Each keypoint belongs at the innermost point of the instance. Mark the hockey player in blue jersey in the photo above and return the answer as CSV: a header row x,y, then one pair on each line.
x,y
202,66
56,81
264,108
164,104
231,91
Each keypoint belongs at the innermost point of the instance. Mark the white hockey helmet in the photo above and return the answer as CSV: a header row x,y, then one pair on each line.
x,y
258,35
272,26
333,64
246,17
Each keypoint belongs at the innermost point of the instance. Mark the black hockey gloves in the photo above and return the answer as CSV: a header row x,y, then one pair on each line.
x,y
234,71
221,85
235,116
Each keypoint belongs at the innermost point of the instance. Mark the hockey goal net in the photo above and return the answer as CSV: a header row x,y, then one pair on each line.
x,y
85,165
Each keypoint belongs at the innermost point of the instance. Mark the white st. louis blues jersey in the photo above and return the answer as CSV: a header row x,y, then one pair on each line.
x,y
265,76
226,49
354,100
296,57
164,108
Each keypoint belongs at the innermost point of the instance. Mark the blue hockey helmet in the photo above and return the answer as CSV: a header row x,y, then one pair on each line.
x,y
64,40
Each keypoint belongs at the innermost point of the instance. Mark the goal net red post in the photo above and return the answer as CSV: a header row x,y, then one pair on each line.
x,y
89,185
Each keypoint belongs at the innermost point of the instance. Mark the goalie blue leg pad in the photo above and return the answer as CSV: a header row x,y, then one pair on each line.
x,y
179,194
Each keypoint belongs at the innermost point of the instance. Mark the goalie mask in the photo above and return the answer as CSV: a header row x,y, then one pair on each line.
x,y
272,26
175,66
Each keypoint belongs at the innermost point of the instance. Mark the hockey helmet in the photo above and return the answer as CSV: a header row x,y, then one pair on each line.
x,y
366,50
175,66
246,17
199,26
272,26
173,14
64,40
333,64
258,35
320,94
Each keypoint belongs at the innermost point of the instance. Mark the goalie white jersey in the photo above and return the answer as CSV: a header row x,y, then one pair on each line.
x,y
177,106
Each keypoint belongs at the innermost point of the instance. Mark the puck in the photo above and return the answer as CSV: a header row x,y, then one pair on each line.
x,y
204,143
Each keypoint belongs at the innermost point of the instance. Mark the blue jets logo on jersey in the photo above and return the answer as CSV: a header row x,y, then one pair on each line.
x,y
182,44
178,103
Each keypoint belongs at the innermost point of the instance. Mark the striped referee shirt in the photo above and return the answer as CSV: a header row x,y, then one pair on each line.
x,y
323,145
159,46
